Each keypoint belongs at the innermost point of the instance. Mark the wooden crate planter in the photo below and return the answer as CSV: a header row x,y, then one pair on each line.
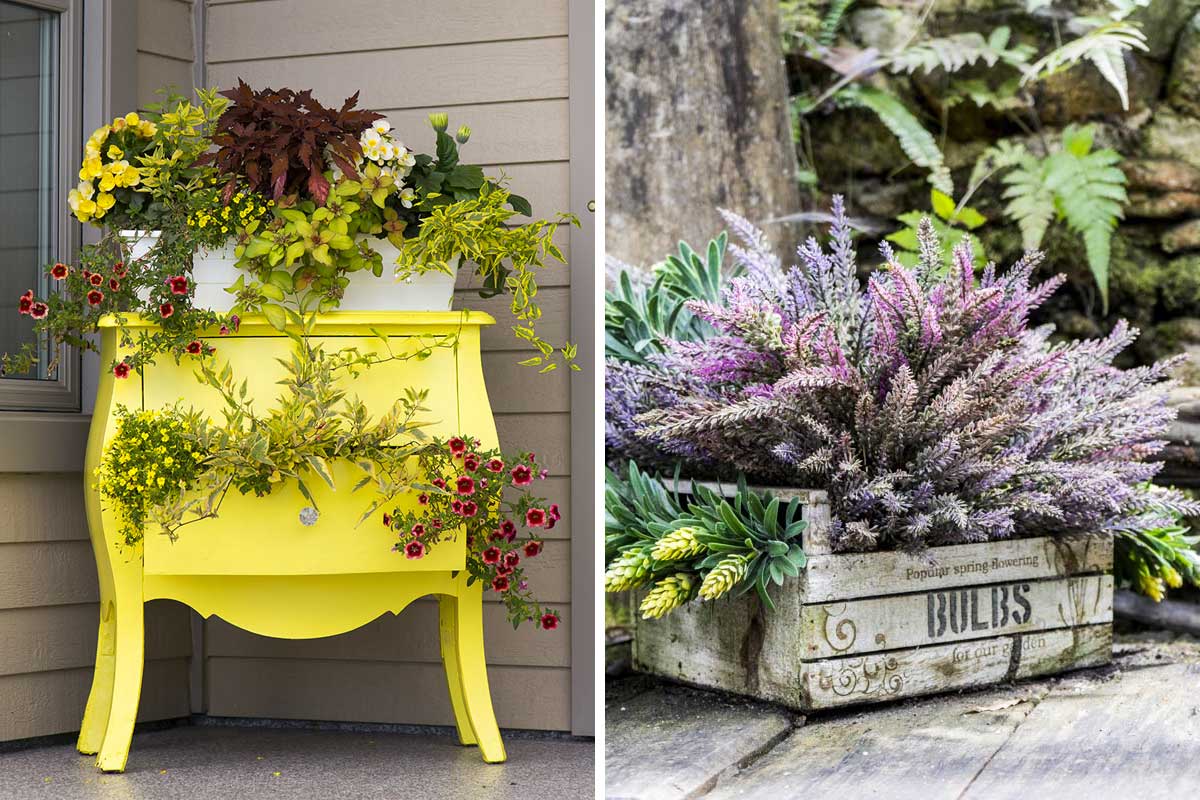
x,y
871,627
256,565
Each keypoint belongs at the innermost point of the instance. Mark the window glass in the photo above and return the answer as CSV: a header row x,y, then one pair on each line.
x,y
29,216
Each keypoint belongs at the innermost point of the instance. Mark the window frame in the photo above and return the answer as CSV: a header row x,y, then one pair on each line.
x,y
63,392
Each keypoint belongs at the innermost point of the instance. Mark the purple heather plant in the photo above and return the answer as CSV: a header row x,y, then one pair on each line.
x,y
924,402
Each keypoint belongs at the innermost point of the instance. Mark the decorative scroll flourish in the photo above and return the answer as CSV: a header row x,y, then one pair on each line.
x,y
870,675
839,634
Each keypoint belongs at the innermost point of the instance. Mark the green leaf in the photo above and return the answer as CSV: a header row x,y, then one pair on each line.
x,y
943,204
321,467
275,316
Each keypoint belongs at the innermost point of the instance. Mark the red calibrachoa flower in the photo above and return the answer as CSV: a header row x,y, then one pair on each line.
x,y
387,520
25,304
488,513
95,297
95,279
119,269
414,549
114,284
194,347
59,271
121,370
178,284
549,621
39,310
166,310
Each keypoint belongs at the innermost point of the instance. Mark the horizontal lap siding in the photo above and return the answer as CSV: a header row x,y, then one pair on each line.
x,y
504,75
165,48
49,612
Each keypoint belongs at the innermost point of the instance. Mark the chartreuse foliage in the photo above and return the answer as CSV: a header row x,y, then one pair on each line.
x,y
698,545
952,224
638,317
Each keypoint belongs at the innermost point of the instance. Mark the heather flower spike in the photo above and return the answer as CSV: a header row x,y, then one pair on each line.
x,y
923,401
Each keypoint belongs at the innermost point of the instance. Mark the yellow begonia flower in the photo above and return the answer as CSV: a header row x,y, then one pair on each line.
x,y
106,201
108,182
132,119
147,129
100,134
86,209
115,152
118,124
91,168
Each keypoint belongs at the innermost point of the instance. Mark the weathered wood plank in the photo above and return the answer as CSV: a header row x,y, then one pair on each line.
x,y
1134,737
850,576
671,744
909,620
926,670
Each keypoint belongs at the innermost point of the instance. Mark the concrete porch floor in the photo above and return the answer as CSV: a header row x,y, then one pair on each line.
x,y
219,762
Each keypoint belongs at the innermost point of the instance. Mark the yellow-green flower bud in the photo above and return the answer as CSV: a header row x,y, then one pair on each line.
x,y
677,545
439,121
1172,576
1151,586
728,573
668,594
630,570
464,133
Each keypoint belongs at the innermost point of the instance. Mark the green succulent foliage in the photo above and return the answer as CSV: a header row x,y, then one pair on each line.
x,y
756,527
747,542
916,142
637,318
951,223
1076,184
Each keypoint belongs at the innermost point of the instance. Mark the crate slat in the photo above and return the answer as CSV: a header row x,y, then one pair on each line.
x,y
879,677
953,614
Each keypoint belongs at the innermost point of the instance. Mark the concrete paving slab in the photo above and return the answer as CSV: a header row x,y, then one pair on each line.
x,y
669,742
227,763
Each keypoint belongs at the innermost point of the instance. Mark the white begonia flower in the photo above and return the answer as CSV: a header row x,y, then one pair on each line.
x,y
387,151
406,159
407,196
370,139
86,189
382,125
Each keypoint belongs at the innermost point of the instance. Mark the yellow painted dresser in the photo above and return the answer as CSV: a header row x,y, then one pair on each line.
x,y
257,565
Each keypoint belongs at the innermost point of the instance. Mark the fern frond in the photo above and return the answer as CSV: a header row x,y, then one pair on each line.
x,y
1104,46
832,21
953,53
1090,194
916,142
1030,201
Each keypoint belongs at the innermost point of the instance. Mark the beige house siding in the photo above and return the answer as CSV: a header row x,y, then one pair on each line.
x,y
504,74
165,48
49,602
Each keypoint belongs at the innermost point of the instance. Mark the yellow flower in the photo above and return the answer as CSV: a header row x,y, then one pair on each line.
x,y
147,129
115,152
105,201
87,208
161,481
132,119
118,124
92,168
107,182
100,134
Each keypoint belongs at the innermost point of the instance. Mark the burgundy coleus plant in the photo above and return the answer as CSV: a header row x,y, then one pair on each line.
x,y
484,496
275,142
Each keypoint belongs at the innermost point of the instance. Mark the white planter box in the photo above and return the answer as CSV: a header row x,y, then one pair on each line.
x,y
870,627
213,270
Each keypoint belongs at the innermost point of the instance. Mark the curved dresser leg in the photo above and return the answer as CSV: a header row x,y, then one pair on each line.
x,y
448,629
473,679
95,717
128,662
